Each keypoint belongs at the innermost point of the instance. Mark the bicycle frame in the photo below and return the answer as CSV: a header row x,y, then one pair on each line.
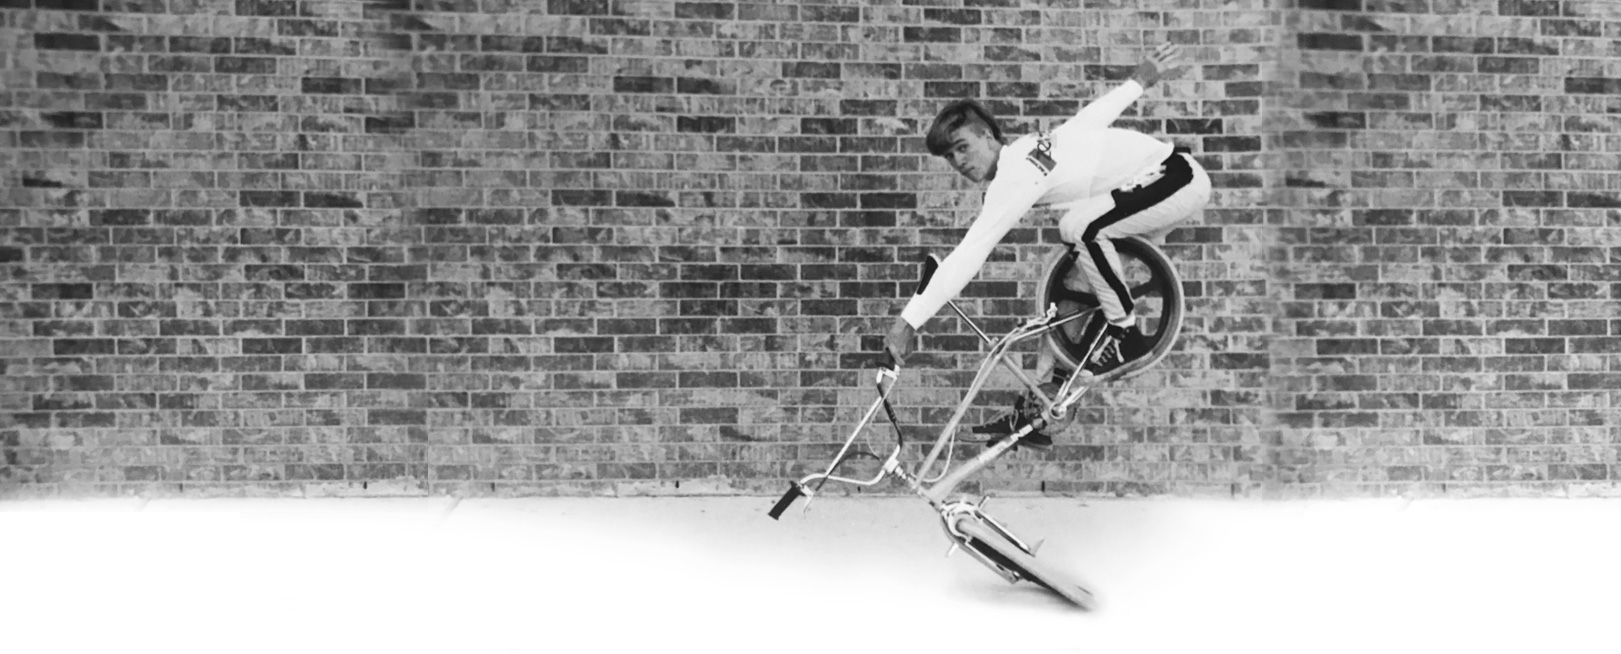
x,y
937,488
1055,406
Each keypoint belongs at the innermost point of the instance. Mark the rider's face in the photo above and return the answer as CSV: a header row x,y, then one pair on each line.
x,y
973,153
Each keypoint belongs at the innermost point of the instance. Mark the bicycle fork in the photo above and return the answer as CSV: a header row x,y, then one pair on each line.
x,y
954,514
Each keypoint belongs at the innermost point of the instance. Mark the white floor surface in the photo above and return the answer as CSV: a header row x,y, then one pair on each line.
x,y
715,574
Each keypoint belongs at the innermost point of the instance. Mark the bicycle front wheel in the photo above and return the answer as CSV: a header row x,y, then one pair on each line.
x,y
1010,557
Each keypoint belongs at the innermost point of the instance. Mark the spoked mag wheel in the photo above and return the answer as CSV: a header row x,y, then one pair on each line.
x,y
1156,292
998,551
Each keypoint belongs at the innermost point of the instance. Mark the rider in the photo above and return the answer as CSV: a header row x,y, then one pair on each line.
x,y
1109,182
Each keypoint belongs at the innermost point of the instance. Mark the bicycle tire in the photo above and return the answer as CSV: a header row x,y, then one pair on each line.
x,y
1163,282
986,541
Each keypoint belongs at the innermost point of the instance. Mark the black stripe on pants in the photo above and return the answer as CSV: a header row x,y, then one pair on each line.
x,y
1110,276
1128,203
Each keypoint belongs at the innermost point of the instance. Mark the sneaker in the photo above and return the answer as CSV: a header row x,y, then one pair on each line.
x,y
1120,345
1011,421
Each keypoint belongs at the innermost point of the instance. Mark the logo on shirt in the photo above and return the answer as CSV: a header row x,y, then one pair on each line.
x,y
1041,156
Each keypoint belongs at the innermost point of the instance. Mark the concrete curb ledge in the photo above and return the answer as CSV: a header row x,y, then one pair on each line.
x,y
722,486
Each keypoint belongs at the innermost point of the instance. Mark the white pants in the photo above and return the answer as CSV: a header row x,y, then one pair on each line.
x,y
1160,197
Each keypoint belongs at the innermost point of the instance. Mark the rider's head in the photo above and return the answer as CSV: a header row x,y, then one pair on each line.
x,y
968,138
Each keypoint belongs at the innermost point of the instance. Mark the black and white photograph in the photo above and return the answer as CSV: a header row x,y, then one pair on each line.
x,y
553,326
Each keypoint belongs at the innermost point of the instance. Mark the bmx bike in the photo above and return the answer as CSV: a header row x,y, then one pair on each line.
x,y
1157,293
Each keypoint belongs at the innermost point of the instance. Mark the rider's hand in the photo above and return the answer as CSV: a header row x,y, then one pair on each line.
x,y
1164,62
900,339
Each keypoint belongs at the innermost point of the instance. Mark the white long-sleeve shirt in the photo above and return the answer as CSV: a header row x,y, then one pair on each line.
x,y
1082,158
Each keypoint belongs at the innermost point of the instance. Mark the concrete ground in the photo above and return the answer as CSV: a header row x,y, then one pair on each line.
x,y
714,574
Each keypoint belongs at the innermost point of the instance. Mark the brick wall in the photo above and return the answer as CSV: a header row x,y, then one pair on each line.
x,y
203,243
597,246
1451,269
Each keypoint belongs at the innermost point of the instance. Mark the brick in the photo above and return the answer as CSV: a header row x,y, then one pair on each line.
x,y
245,65
820,13
931,35
1007,53
331,85
82,346
266,8
1239,361
951,90
700,85
1575,28
635,84
1528,7
74,119
705,10
272,346
953,16
1329,41
642,199
308,28
1194,126
1589,471
1536,272
1592,85
1232,144
66,41
249,103
1510,65
1534,346
1603,200
706,124
1517,45
811,69
1533,199
888,201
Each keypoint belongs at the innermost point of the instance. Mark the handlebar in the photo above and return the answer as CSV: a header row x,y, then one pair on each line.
x,y
888,372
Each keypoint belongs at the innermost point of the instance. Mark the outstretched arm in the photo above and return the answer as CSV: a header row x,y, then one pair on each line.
x,y
1006,201
1165,61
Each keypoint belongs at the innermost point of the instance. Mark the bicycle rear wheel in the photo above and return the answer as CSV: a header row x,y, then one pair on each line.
x,y
1156,290
1000,552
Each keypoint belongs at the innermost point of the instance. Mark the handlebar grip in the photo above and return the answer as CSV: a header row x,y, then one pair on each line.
x,y
787,498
